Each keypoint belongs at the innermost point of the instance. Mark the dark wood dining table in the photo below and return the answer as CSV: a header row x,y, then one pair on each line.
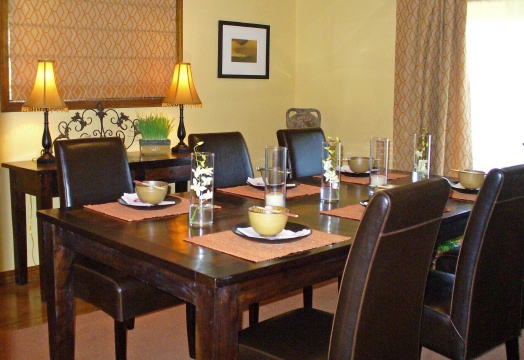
x,y
220,286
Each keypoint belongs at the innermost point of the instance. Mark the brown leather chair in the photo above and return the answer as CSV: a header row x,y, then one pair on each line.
x,y
232,161
382,289
479,307
95,171
304,150
304,159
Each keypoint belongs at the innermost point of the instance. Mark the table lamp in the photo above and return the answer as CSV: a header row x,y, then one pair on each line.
x,y
182,93
45,97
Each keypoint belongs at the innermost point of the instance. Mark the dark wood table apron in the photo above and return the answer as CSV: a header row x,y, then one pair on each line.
x,y
219,285
26,177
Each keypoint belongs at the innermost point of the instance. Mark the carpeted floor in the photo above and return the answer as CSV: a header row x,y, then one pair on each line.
x,y
161,335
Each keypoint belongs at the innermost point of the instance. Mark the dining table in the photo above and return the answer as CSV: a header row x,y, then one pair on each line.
x,y
183,261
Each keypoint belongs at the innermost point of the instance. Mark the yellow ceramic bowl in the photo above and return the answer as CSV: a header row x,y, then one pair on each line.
x,y
471,179
358,164
265,222
152,195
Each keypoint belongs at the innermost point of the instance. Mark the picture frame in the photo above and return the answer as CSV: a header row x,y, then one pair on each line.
x,y
243,50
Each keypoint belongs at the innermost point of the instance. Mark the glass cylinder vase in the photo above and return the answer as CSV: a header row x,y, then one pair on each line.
x,y
422,155
201,189
275,176
330,183
379,161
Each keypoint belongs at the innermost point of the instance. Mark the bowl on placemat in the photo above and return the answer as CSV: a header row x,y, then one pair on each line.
x,y
358,164
267,220
152,192
471,179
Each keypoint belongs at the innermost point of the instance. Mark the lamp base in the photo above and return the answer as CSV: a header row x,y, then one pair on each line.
x,y
45,159
180,148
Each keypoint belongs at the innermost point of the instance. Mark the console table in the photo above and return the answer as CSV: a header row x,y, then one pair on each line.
x,y
26,177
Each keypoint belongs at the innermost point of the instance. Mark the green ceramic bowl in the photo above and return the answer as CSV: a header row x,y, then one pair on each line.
x,y
152,195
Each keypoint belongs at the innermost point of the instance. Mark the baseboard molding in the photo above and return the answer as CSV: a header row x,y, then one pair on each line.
x,y
8,277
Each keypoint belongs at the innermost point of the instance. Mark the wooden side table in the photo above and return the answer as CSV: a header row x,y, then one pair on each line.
x,y
26,177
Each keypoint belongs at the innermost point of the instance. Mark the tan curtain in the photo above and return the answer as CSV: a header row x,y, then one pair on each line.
x,y
431,87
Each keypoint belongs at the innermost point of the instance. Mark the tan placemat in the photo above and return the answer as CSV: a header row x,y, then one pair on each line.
x,y
355,212
255,193
230,243
129,213
364,180
462,197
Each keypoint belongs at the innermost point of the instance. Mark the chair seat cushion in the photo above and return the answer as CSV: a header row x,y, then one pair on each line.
x,y
437,330
299,334
117,294
448,261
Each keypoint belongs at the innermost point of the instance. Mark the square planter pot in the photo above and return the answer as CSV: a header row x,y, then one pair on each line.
x,y
155,147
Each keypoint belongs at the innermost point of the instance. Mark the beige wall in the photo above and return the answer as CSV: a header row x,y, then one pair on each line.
x,y
337,56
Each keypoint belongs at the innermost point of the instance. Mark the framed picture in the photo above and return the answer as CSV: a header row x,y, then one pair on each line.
x,y
243,50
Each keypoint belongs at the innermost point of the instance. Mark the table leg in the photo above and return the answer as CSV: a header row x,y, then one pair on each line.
x,y
18,214
60,299
217,324
44,200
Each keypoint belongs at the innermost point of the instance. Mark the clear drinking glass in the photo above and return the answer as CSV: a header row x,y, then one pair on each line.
x,y
379,159
201,189
330,183
275,174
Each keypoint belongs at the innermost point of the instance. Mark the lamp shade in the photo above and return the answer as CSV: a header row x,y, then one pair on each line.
x,y
45,94
182,90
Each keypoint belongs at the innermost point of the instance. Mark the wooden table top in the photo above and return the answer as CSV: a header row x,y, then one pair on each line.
x,y
160,241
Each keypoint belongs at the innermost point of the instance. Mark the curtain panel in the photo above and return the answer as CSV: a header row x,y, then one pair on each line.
x,y
431,86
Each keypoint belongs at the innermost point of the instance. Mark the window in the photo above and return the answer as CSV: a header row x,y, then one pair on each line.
x,y
120,52
495,29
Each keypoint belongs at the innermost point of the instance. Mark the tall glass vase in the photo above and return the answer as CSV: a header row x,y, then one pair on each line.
x,y
201,189
330,183
421,155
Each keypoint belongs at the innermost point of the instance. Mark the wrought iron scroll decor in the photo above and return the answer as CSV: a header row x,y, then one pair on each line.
x,y
86,125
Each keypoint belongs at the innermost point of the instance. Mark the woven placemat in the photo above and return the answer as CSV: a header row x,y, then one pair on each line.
x,y
364,180
355,212
230,243
256,193
462,197
130,213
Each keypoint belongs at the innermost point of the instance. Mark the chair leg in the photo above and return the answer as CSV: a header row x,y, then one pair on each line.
x,y
512,349
308,297
253,314
191,329
121,328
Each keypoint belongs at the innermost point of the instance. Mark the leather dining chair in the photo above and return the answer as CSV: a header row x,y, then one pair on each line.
x,y
304,159
96,171
232,161
477,307
381,292
304,148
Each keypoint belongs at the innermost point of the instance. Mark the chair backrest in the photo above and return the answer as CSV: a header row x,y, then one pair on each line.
x,y
297,118
304,148
232,161
91,171
382,289
487,294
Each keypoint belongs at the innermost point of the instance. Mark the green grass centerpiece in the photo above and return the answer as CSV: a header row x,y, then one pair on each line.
x,y
154,130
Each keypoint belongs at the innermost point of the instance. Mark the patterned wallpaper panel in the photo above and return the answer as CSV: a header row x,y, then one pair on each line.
x,y
111,49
